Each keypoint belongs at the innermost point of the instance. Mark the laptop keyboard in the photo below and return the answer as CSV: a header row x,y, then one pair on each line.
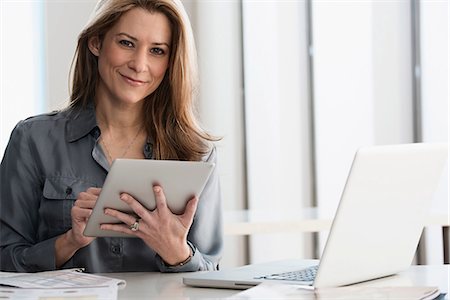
x,y
307,274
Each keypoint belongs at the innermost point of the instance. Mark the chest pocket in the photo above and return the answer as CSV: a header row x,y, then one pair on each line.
x,y
59,195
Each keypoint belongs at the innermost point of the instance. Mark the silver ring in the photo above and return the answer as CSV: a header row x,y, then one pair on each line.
x,y
135,226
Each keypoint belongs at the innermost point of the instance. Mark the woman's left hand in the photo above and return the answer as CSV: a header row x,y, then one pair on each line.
x,y
163,231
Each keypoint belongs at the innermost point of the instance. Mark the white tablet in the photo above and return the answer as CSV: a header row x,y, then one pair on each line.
x,y
180,180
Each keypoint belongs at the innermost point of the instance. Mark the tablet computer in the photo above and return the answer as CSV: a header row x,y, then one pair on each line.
x,y
180,180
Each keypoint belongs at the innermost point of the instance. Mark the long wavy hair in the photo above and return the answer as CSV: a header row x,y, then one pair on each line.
x,y
170,118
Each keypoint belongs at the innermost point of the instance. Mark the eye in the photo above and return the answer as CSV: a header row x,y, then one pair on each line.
x,y
157,51
126,43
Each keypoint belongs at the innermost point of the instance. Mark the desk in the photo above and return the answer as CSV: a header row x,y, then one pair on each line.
x,y
165,286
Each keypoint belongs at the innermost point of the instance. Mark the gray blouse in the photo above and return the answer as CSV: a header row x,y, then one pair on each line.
x,y
49,160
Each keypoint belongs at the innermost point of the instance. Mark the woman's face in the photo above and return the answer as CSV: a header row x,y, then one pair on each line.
x,y
133,56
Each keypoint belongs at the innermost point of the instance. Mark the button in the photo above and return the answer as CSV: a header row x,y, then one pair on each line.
x,y
116,249
68,190
148,150
96,132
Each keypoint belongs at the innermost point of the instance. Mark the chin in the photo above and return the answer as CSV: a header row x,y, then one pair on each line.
x,y
131,100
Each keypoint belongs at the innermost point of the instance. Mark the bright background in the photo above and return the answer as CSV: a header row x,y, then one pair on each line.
x,y
293,87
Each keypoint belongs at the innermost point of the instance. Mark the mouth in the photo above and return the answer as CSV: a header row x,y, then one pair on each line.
x,y
132,81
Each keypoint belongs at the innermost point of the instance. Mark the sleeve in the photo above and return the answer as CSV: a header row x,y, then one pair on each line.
x,y
206,235
20,194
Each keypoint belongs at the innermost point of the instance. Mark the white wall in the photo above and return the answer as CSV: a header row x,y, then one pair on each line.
x,y
22,79
38,41
434,25
277,122
63,22
343,99
217,27
362,85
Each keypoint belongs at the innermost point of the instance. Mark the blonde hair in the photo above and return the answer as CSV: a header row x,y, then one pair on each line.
x,y
170,119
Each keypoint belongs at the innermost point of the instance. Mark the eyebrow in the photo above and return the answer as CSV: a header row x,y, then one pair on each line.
x,y
135,39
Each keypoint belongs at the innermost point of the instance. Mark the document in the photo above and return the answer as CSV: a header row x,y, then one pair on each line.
x,y
61,284
69,278
86,293
268,290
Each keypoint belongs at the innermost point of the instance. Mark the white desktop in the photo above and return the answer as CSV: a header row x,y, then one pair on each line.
x,y
170,286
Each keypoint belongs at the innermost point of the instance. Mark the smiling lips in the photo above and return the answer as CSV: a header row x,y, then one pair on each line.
x,y
133,82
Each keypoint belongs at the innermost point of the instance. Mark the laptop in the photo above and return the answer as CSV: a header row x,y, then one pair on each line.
x,y
376,228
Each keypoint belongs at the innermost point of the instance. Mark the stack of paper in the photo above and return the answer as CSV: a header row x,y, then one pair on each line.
x,y
63,284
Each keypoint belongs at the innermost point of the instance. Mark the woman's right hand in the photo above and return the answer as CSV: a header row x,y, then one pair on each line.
x,y
81,211
67,244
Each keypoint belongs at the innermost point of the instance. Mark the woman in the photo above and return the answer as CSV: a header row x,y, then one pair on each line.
x,y
132,97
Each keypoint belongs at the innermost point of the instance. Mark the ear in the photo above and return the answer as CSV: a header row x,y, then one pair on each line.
x,y
94,45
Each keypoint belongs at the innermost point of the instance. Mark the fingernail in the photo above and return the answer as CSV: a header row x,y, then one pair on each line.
x,y
123,197
106,211
156,189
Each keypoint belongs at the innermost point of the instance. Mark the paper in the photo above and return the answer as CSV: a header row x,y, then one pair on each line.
x,y
269,290
86,293
62,284
70,278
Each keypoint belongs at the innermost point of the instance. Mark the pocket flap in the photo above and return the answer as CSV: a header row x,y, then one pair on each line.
x,y
64,187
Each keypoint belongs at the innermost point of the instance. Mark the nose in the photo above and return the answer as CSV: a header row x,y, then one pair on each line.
x,y
138,61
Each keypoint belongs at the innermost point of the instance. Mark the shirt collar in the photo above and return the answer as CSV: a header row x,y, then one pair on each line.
x,y
81,122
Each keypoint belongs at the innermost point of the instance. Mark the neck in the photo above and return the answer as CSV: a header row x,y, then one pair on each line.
x,y
122,130
123,118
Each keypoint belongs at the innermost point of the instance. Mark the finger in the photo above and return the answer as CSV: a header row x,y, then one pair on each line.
x,y
160,198
191,207
87,196
125,218
121,228
137,207
93,190
189,212
117,227
84,203
81,213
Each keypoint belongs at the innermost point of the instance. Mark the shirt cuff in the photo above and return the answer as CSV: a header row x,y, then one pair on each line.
x,y
41,256
191,266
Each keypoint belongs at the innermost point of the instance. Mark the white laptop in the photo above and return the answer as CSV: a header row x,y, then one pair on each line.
x,y
376,228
